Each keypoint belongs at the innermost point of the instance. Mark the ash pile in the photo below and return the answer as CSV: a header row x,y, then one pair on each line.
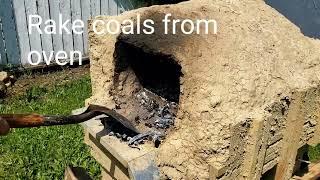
x,y
160,114
152,114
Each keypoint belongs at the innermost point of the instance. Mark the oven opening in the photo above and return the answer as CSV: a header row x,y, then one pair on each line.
x,y
146,87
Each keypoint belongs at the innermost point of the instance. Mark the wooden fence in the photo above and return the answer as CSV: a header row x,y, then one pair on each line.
x,y
16,42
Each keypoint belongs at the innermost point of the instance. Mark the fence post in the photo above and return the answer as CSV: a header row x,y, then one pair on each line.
x,y
46,39
22,30
35,38
3,56
85,7
9,32
77,14
65,8
54,13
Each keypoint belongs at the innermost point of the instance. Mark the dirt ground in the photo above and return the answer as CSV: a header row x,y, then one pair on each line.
x,y
45,79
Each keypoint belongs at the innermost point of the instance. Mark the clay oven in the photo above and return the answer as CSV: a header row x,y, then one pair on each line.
x,y
227,103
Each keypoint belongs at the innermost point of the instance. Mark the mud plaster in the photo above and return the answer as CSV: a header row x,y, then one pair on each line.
x,y
257,58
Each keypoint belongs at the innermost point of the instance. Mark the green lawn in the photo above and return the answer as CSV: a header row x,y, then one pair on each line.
x,y
44,153
314,153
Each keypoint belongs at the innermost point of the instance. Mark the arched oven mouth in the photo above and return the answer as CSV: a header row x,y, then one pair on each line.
x,y
146,87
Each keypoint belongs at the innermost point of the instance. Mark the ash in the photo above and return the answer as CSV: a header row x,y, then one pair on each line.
x,y
149,112
117,130
160,111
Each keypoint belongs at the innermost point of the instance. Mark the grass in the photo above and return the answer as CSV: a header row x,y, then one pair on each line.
x,y
44,153
314,153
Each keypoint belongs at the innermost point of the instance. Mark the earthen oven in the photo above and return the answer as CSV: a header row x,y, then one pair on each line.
x,y
235,105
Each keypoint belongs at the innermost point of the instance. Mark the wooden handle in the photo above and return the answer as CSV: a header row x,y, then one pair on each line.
x,y
36,120
23,120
